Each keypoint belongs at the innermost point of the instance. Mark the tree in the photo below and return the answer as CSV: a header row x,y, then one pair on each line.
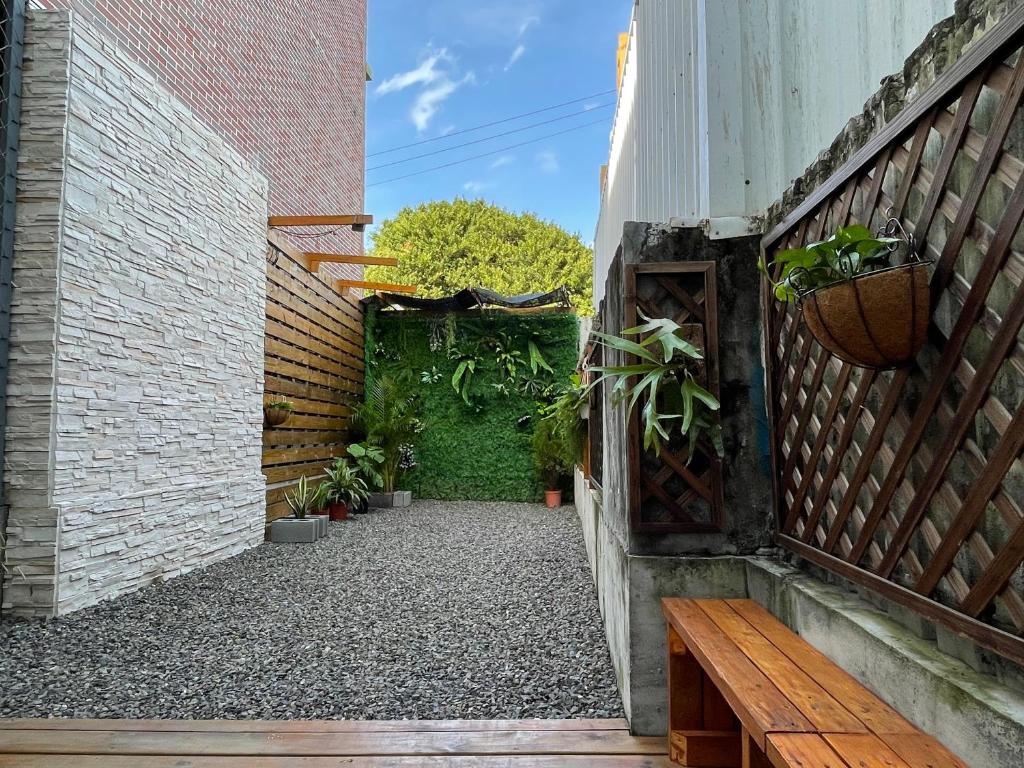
x,y
443,247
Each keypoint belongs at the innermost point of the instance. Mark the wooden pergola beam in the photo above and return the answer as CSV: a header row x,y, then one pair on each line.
x,y
342,285
347,220
341,258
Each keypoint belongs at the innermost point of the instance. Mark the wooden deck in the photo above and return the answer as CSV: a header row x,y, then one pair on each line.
x,y
318,744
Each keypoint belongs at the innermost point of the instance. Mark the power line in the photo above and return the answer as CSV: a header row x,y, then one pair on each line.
x,y
486,154
489,125
490,138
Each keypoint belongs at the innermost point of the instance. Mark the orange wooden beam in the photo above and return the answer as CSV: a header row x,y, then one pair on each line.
x,y
341,258
349,220
369,286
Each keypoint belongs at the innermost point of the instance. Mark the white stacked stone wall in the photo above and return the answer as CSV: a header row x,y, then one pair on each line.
x,y
137,349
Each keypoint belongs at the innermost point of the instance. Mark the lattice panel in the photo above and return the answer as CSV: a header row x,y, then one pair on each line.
x,y
912,481
674,493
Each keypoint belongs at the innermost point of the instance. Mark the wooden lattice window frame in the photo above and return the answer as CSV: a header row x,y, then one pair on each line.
x,y
703,486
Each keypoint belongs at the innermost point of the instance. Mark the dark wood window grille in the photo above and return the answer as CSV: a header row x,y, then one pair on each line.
x,y
672,493
911,481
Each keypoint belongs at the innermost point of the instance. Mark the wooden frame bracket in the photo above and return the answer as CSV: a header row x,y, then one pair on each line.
x,y
365,285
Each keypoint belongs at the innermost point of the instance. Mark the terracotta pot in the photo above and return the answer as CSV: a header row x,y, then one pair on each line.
x,y
275,417
553,499
876,320
338,510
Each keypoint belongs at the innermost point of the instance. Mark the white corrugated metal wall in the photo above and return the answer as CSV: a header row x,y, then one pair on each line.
x,y
724,102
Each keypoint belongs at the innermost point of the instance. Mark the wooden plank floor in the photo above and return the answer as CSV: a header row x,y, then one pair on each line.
x,y
319,744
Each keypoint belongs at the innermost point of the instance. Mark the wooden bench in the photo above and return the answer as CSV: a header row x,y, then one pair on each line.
x,y
745,691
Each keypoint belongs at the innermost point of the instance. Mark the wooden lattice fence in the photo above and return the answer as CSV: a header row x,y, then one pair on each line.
x,y
911,481
314,359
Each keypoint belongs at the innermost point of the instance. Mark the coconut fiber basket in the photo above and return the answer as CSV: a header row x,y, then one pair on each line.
x,y
874,320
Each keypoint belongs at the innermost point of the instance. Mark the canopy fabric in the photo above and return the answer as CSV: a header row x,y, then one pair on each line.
x,y
476,298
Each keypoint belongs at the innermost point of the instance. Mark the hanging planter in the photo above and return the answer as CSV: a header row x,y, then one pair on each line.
x,y
276,413
874,320
856,307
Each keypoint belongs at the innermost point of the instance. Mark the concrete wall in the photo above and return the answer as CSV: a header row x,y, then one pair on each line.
x,y
137,342
632,569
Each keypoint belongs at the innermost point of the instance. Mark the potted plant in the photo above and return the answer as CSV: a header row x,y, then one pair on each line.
x,y
388,417
860,305
367,459
344,489
300,527
276,412
551,457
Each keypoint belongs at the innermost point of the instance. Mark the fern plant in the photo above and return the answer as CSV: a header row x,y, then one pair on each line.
x,y
665,370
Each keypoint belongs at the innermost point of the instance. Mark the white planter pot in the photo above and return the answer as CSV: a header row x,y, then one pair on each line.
x,y
288,530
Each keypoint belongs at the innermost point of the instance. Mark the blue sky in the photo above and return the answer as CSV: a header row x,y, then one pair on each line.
x,y
442,66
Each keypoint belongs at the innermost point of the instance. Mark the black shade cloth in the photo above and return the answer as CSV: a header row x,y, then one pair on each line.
x,y
473,298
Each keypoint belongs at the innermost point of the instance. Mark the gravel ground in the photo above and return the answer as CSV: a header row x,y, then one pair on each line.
x,y
443,610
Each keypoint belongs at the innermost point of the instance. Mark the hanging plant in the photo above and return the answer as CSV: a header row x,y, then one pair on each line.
x,y
857,303
666,375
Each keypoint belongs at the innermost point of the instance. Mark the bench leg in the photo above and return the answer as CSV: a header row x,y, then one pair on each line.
x,y
702,727
753,756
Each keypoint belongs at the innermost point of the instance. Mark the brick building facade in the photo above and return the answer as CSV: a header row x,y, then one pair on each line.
x,y
284,82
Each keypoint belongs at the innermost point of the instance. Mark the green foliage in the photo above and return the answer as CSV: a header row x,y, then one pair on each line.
x,y
851,251
481,450
666,377
305,499
368,459
280,405
565,414
443,247
462,378
344,485
389,419
551,452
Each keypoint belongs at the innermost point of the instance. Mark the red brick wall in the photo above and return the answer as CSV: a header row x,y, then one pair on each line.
x,y
283,80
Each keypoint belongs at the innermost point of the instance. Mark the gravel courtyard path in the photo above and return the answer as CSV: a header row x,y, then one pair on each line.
x,y
443,610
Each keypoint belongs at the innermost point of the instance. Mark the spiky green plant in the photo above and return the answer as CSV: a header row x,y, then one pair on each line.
x,y
666,366
305,499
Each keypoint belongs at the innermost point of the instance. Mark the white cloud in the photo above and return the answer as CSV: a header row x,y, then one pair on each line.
x,y
436,78
528,22
425,74
430,100
474,186
548,162
502,161
517,54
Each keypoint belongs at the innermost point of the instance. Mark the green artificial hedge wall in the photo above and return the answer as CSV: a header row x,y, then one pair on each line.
x,y
481,452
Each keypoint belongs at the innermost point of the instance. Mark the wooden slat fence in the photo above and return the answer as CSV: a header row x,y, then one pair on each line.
x,y
911,481
314,359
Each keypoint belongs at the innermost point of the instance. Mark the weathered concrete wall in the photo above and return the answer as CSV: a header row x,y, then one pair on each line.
x,y
141,337
634,570
972,713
